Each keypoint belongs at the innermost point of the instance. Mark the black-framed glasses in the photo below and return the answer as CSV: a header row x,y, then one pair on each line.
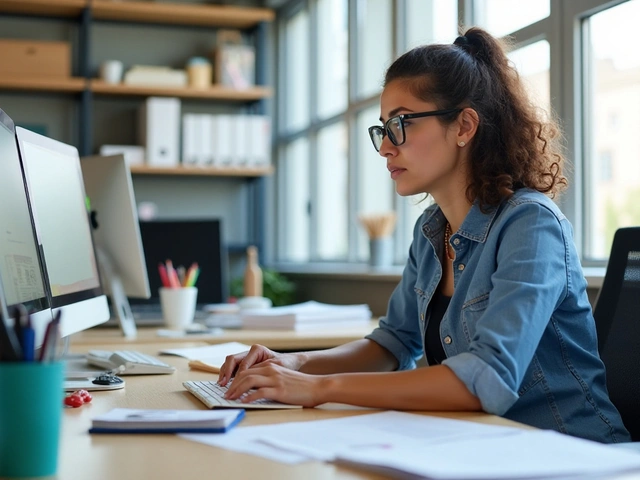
x,y
394,127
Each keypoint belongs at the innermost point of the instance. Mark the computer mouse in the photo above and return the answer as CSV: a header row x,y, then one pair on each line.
x,y
107,380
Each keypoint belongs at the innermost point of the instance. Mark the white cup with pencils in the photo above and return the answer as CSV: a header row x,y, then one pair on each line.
x,y
178,294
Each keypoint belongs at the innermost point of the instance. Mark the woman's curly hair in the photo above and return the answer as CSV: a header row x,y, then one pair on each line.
x,y
514,146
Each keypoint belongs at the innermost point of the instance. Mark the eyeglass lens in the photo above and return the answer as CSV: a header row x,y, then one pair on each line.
x,y
393,128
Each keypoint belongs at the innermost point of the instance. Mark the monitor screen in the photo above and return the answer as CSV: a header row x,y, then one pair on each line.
x,y
56,190
185,242
21,270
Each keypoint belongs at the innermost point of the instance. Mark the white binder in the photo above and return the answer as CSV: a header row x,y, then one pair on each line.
x,y
159,130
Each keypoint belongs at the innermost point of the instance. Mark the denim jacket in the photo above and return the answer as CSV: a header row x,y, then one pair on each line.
x,y
519,332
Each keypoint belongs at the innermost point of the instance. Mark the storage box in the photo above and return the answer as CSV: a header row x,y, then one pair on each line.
x,y
32,57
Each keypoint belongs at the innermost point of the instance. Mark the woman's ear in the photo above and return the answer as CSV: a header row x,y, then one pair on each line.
x,y
467,126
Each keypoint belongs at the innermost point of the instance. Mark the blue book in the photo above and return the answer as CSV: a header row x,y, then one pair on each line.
x,y
134,420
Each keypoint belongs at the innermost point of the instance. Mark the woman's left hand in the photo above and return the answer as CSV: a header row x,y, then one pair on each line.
x,y
276,382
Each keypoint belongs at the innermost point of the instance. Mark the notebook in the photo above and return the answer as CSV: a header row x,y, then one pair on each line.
x,y
131,420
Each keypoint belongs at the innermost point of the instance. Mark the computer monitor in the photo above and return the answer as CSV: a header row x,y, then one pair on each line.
x,y
185,242
21,271
56,191
108,185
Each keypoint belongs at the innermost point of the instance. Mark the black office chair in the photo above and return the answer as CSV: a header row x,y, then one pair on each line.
x,y
617,316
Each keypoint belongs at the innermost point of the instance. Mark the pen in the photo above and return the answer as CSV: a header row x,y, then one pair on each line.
x,y
164,278
48,351
173,276
25,333
9,345
191,276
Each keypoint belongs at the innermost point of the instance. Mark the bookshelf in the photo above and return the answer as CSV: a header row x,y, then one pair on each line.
x,y
214,92
91,94
202,171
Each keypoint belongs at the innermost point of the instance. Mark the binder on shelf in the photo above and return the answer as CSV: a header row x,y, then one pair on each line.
x,y
224,140
159,130
205,150
189,145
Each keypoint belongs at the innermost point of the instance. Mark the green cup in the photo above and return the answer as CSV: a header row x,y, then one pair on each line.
x,y
30,413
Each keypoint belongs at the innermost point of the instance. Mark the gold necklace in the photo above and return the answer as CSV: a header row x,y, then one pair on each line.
x,y
447,237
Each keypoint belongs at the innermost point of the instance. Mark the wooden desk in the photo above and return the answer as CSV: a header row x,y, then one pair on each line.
x,y
274,339
104,457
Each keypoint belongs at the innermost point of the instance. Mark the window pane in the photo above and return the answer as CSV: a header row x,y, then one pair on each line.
x,y
374,44
376,190
332,57
501,17
612,125
295,202
297,71
532,62
332,205
431,21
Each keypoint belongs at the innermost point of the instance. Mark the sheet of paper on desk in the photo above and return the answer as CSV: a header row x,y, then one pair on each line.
x,y
323,439
528,454
404,444
210,357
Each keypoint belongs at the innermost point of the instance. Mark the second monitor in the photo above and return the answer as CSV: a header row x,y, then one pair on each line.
x,y
185,242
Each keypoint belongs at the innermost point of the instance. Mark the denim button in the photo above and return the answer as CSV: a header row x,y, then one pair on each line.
x,y
456,241
447,340
461,267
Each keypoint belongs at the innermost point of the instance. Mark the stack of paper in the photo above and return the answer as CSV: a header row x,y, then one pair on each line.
x,y
155,76
128,420
306,316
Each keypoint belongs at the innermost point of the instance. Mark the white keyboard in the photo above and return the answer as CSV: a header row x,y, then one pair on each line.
x,y
134,363
212,395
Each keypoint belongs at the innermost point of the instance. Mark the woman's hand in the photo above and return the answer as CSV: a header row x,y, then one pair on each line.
x,y
277,382
257,355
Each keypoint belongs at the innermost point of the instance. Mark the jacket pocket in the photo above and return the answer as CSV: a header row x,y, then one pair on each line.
x,y
472,310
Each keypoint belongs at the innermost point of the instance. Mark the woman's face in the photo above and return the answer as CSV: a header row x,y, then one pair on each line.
x,y
429,161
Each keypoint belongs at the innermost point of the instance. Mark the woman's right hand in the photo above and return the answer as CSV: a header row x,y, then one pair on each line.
x,y
258,354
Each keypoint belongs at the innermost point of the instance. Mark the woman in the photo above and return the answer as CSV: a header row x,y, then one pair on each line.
x,y
493,292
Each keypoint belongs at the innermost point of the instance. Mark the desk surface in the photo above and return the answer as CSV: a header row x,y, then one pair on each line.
x,y
98,457
274,339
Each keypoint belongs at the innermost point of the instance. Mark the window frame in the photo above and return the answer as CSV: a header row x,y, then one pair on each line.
x,y
562,29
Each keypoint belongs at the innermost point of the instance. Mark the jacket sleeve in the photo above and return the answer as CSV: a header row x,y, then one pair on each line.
x,y
399,331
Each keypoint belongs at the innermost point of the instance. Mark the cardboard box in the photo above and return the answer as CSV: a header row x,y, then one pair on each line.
x,y
32,57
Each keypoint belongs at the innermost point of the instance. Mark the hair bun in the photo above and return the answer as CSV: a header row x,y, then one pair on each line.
x,y
461,41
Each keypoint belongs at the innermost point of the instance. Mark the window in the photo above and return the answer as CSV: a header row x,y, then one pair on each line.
x,y
611,126
328,172
503,17
578,60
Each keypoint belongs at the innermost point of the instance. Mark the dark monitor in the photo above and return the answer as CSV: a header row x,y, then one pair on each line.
x,y
58,201
185,242
21,271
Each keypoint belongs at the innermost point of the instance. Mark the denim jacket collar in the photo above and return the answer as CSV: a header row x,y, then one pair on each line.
x,y
475,226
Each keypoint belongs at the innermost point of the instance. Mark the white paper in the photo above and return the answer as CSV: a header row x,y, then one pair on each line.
x,y
211,354
402,444
527,454
243,440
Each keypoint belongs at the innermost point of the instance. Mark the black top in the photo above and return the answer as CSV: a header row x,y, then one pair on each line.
x,y
433,345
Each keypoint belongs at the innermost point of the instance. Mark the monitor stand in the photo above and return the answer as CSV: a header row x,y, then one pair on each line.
x,y
119,301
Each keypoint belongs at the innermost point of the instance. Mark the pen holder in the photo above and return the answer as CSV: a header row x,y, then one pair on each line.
x,y
30,413
178,306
